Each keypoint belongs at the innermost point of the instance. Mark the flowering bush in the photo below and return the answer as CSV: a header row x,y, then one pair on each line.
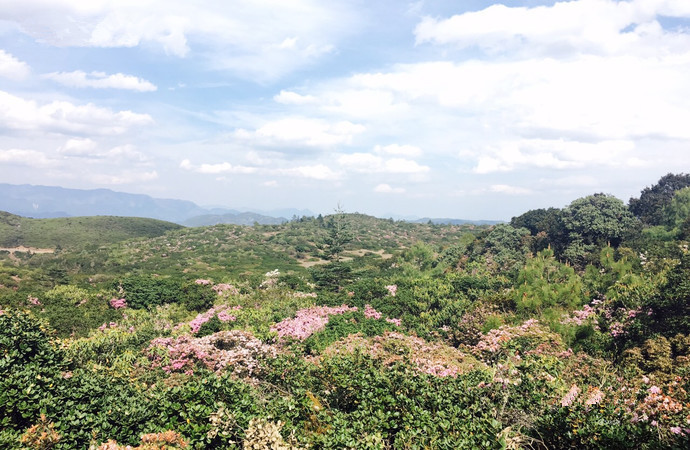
x,y
118,303
308,321
237,351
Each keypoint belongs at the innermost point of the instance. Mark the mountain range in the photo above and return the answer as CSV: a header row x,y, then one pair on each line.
x,y
41,202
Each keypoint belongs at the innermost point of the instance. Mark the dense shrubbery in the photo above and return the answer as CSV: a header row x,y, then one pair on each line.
x,y
565,329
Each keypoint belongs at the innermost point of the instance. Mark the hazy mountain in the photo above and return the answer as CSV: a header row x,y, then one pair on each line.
x,y
236,218
446,221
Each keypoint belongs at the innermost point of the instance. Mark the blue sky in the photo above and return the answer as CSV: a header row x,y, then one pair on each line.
x,y
443,108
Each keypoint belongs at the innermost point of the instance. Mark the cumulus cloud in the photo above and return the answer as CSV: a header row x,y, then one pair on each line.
x,y
316,172
11,67
261,39
220,168
301,131
509,190
410,151
23,157
368,163
78,147
293,98
583,26
100,80
125,177
388,189
554,154
17,113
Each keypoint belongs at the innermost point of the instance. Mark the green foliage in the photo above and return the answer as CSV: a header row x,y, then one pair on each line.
x,y
545,283
143,291
671,306
593,222
74,232
649,208
197,297
339,234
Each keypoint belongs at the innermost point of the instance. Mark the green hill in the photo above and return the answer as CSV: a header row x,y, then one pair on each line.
x,y
76,232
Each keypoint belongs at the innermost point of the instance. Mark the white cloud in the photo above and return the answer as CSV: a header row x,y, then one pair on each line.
x,y
316,172
78,147
410,151
100,80
509,190
565,28
224,167
65,117
368,163
388,189
554,154
299,131
11,67
23,157
126,177
258,39
293,98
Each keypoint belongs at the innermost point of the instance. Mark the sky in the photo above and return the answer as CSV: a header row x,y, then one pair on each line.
x,y
436,108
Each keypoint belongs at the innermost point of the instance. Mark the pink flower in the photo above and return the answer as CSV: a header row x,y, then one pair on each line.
x,y
392,289
33,300
675,430
654,390
570,396
203,282
308,321
396,322
225,317
595,397
371,313
118,303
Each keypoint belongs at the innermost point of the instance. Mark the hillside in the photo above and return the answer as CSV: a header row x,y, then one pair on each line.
x,y
566,328
76,232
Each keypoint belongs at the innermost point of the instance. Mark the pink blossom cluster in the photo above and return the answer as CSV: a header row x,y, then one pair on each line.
x,y
579,317
33,300
570,397
222,288
118,303
107,325
235,350
392,289
396,322
308,321
221,311
203,282
304,295
594,397
371,313
618,319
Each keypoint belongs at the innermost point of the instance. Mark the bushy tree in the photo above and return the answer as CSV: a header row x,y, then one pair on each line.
x,y
649,208
593,222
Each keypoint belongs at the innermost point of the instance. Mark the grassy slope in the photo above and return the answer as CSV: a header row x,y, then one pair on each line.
x,y
76,232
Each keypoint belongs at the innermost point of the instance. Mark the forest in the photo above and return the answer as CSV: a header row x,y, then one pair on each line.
x,y
565,328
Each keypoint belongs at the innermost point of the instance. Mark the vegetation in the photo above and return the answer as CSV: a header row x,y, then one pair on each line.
x,y
567,328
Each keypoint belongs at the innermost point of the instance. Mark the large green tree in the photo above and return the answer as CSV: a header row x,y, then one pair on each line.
x,y
593,222
649,208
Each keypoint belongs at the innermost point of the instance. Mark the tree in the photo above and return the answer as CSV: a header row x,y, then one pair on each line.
x,y
678,210
339,234
593,222
649,208
546,228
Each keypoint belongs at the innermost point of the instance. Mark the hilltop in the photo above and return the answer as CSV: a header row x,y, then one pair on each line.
x,y
76,232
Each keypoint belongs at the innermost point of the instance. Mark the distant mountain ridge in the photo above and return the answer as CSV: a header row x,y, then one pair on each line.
x,y
45,202
41,202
